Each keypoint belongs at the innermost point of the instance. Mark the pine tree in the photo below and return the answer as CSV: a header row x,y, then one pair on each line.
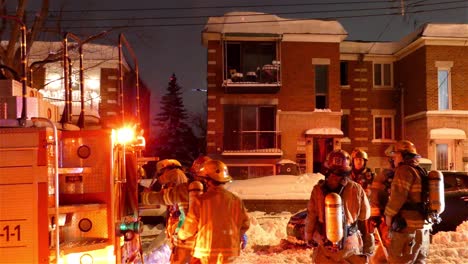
x,y
175,139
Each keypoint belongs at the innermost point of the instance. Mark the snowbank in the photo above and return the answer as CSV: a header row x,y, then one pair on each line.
x,y
450,247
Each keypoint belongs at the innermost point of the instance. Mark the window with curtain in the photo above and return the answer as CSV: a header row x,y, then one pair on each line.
x,y
443,76
442,157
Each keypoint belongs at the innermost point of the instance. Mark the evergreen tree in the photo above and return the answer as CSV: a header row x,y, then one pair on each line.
x,y
175,139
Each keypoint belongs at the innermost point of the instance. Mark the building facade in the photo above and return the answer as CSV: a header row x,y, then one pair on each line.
x,y
296,90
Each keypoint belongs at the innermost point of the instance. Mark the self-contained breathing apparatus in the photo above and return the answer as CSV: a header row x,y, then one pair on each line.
x,y
334,229
432,188
432,195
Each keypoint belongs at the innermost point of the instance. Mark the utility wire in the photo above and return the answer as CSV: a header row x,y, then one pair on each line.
x,y
254,15
266,21
218,7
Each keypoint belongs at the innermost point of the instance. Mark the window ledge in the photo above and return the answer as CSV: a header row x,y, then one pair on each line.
x,y
254,152
383,141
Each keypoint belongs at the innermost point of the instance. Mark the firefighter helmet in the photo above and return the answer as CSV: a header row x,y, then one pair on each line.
x,y
164,164
390,151
405,146
359,153
198,164
215,170
338,162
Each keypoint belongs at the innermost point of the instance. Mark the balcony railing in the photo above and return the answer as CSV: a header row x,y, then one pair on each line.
x,y
266,79
259,142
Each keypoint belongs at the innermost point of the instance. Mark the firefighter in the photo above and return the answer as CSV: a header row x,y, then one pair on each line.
x,y
175,195
409,232
379,194
334,233
218,218
364,176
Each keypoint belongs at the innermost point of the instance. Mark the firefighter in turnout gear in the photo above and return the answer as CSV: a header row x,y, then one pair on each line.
x,y
379,194
409,232
364,176
335,235
175,195
217,218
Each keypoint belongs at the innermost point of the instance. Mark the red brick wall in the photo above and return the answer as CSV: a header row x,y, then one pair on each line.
x,y
297,91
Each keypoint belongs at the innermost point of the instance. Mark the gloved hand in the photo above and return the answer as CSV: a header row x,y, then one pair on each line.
x,y
369,244
243,241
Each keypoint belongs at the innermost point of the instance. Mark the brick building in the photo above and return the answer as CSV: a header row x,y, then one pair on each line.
x,y
295,90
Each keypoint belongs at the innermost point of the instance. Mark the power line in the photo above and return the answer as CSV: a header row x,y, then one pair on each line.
x,y
218,7
253,15
264,21
245,15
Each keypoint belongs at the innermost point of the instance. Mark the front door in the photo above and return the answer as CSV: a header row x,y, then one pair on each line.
x,y
444,158
322,146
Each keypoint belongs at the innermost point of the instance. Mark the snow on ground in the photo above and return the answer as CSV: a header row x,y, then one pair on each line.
x,y
276,187
450,247
267,234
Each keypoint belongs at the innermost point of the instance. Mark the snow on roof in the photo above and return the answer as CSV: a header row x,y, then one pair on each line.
x,y
447,133
324,131
255,22
430,30
41,49
277,187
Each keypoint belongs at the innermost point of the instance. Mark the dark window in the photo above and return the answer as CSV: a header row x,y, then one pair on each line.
x,y
321,86
344,73
248,127
248,58
345,125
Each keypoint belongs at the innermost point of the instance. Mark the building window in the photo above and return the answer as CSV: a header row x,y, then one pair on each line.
x,y
382,74
251,61
345,125
321,86
383,127
243,172
443,83
344,79
249,127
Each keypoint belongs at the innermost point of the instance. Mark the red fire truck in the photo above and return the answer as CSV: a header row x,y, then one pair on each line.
x,y
68,196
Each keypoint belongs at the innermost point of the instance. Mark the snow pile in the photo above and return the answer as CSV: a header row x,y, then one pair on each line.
x,y
267,229
450,247
278,187
266,242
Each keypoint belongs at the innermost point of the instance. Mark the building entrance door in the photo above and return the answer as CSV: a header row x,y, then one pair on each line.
x,y
322,146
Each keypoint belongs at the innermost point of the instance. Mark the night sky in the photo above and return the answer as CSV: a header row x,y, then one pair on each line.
x,y
166,35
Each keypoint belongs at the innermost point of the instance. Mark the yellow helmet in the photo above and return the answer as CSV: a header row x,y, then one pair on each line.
x,y
198,164
215,170
405,146
164,164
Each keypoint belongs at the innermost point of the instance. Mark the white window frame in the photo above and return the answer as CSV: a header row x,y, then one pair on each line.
x,y
383,113
449,88
382,74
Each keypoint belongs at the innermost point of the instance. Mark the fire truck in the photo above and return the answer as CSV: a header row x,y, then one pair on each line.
x,y
67,194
